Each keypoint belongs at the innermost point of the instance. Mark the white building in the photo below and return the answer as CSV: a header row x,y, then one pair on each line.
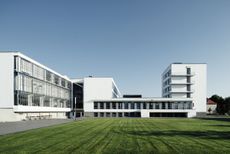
x,y
30,90
186,80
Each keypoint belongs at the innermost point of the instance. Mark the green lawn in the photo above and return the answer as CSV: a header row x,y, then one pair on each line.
x,y
124,135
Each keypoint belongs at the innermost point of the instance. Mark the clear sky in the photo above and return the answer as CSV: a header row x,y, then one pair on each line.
x,y
131,41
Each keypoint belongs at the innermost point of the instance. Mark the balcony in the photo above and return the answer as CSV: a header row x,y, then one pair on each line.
x,y
182,83
182,74
181,91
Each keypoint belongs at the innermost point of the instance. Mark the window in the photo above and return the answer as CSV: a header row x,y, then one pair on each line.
x,y
56,79
36,101
119,114
23,99
188,70
169,105
63,82
114,106
114,114
138,105
188,95
132,105
26,67
157,106
101,105
95,105
101,114
126,105
144,105
119,105
38,72
150,105
38,87
48,76
175,105
107,105
95,114
46,101
107,114
163,105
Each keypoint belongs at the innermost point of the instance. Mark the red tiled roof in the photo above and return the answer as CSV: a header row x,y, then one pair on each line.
x,y
210,102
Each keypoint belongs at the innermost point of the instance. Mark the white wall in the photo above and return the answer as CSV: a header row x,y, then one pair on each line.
x,y
6,80
199,87
96,88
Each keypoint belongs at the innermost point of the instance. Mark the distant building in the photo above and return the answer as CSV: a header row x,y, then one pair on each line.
x,y
211,106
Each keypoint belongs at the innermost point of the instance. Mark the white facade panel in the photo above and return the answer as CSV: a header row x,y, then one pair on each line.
x,y
6,80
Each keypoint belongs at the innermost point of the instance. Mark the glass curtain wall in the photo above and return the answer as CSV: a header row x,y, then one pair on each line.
x,y
36,86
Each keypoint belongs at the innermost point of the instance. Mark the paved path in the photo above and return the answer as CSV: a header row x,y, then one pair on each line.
x,y
12,127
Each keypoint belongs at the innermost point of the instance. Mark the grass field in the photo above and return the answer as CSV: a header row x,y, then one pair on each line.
x,y
124,135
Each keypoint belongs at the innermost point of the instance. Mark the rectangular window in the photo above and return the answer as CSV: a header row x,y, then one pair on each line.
x,y
95,105
132,105
48,76
119,105
138,105
169,105
107,114
119,114
46,101
114,105
163,105
150,105
126,105
157,106
26,67
188,70
63,82
38,72
144,105
56,79
101,105
95,114
114,114
107,105
101,114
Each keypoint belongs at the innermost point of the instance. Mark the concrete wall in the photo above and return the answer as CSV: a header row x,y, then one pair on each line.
x,y
199,86
6,80
96,88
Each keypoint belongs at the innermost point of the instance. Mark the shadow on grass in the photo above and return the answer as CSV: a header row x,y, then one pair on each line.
x,y
174,133
216,119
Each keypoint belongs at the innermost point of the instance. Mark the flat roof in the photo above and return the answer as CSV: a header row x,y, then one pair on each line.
x,y
146,99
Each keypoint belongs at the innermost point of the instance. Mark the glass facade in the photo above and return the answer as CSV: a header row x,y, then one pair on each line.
x,y
36,86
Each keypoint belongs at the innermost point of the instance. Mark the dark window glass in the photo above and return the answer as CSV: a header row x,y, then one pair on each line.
x,y
48,76
126,105
163,105
144,105
157,106
101,114
95,114
114,105
101,105
138,105
95,105
150,105
107,105
132,105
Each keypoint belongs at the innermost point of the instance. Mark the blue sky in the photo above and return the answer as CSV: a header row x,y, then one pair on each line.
x,y
132,41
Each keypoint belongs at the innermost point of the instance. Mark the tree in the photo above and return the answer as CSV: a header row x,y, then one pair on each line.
x,y
220,103
227,105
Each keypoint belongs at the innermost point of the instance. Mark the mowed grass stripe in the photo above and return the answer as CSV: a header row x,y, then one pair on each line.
x,y
123,135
